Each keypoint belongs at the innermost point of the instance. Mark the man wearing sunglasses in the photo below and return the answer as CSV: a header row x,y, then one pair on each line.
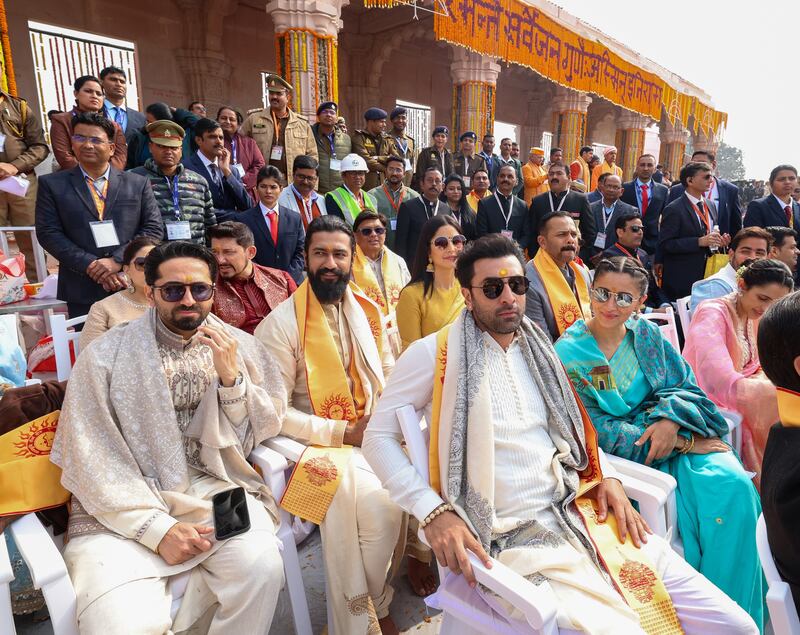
x,y
87,214
559,292
492,388
329,341
159,417
377,270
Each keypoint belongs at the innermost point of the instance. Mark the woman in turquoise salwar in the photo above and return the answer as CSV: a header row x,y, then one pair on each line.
x,y
647,407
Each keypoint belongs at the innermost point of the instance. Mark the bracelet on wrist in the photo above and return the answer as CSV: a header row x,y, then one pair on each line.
x,y
441,509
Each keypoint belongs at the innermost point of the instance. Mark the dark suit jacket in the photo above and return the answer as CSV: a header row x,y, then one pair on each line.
x,y
288,255
611,235
655,295
578,205
491,220
683,258
593,196
767,212
136,121
655,207
232,197
410,218
780,486
64,209
730,214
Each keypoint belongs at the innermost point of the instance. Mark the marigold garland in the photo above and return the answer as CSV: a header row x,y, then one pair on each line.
x,y
10,82
308,61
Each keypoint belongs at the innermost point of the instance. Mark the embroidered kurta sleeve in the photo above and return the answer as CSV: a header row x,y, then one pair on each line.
x,y
146,526
411,383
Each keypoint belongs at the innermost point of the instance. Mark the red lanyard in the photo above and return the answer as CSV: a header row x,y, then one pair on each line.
x,y
391,198
625,251
704,216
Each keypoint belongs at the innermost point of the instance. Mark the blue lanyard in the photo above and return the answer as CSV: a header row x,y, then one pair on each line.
x,y
402,145
176,201
233,150
331,138
96,191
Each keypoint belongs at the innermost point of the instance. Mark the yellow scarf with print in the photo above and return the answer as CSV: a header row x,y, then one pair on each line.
x,y
364,277
567,308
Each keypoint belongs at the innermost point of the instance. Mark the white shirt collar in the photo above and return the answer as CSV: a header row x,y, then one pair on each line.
x,y
782,204
691,198
99,178
206,161
313,196
265,210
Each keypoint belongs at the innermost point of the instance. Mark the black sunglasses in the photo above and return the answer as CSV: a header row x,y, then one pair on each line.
x,y
636,228
368,231
174,291
493,287
139,263
442,241
623,300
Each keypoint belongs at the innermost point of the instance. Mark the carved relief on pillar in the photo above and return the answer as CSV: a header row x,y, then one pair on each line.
x,y
474,85
673,147
306,49
631,130
703,141
569,121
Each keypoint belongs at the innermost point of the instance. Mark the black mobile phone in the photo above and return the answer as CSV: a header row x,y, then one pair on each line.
x,y
231,517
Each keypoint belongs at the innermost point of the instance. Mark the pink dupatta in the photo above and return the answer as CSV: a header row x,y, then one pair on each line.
x,y
716,355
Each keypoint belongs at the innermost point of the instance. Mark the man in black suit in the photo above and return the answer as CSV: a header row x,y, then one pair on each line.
x,y
85,216
779,352
779,208
115,87
504,213
413,214
606,211
560,198
724,194
280,248
649,197
212,161
688,232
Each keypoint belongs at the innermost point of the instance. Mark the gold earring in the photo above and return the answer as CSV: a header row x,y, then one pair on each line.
x,y
429,268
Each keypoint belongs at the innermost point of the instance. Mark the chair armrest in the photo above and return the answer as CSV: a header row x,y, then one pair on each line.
x,y
644,473
286,447
652,502
38,550
273,467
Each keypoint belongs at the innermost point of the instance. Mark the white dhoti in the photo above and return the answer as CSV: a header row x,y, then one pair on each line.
x,y
123,587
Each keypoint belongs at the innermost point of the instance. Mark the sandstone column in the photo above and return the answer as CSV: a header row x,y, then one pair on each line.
x,y
569,121
673,147
631,129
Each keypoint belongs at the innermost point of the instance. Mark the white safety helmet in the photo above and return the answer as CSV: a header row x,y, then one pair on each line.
x,y
353,163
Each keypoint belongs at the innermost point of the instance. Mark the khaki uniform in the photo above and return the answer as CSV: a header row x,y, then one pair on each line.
x,y
24,147
466,167
296,138
375,151
432,158
394,147
330,179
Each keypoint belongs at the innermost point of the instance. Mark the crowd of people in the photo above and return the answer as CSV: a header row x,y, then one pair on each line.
x,y
254,275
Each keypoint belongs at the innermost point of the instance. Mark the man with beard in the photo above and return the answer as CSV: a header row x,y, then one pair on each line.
x,y
159,417
391,194
246,292
515,471
534,175
559,286
413,213
560,198
334,356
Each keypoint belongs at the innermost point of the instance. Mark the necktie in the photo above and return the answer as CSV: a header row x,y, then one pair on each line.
x,y
644,189
214,174
118,115
273,225
788,210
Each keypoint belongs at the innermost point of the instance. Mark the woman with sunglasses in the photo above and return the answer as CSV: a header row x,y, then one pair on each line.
x,y
721,349
88,98
433,297
455,195
122,306
646,407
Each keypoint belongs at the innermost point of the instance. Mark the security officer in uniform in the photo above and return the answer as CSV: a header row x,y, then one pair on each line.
x,y
465,161
372,145
435,156
333,145
294,136
400,144
22,148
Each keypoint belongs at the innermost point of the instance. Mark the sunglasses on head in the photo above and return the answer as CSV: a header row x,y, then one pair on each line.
x,y
368,231
174,291
442,241
622,299
493,287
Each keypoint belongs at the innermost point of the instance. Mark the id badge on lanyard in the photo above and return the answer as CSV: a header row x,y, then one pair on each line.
x,y
104,234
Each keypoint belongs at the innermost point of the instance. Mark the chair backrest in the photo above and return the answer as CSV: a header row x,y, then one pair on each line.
x,y
40,260
411,423
782,609
685,313
62,338
669,330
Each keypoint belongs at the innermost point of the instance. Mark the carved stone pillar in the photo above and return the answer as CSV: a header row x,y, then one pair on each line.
x,y
631,129
673,147
569,121
703,141
474,85
306,44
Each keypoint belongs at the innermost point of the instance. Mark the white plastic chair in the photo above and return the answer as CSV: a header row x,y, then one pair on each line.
x,y
62,337
536,602
40,260
668,330
782,609
685,313
40,551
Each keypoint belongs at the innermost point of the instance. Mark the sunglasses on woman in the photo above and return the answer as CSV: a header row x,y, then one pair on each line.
x,y
493,287
623,300
368,231
442,241
139,263
174,291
